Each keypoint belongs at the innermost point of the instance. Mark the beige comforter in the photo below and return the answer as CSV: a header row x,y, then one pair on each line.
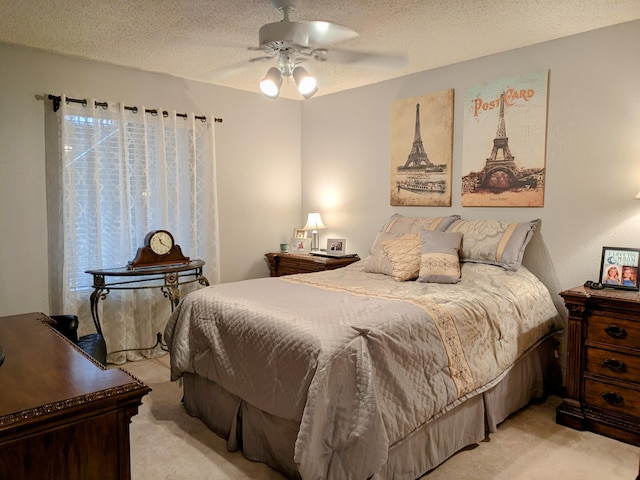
x,y
359,359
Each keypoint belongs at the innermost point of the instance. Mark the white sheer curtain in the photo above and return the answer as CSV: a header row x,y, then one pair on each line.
x,y
120,174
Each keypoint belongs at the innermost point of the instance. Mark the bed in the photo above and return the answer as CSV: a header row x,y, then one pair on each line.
x,y
382,369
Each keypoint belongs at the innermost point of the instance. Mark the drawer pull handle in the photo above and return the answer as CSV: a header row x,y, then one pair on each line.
x,y
614,365
616,332
612,398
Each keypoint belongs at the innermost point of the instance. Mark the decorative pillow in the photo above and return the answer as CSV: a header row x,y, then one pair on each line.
x,y
439,261
378,261
494,242
401,224
395,227
404,254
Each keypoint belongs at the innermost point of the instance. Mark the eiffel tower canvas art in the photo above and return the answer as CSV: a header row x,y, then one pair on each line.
x,y
513,174
422,150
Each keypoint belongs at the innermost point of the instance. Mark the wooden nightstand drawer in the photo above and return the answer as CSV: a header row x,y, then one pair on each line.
x,y
602,381
287,267
613,331
613,364
612,397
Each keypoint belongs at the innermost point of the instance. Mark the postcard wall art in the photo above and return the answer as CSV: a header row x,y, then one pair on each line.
x,y
504,142
422,150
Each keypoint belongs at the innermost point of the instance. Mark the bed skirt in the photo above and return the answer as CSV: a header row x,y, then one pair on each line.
x,y
265,438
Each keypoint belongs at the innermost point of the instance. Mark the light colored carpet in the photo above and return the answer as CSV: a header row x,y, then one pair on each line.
x,y
166,443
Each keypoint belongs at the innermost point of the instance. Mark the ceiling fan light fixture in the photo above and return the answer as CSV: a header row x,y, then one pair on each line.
x,y
307,85
270,84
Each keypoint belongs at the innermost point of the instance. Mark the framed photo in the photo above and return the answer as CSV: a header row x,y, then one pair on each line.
x,y
299,233
300,245
336,246
619,268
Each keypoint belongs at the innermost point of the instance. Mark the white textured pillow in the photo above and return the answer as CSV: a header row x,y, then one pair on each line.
x,y
404,254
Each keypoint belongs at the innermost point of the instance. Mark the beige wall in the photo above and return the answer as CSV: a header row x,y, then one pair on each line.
x,y
257,150
278,160
592,159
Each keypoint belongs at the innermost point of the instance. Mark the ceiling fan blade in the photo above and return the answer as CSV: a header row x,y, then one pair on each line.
x,y
305,34
362,59
325,33
221,72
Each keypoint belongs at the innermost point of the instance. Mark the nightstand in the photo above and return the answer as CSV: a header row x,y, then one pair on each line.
x,y
603,363
291,263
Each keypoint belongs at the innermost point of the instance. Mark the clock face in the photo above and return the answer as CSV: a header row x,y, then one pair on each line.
x,y
161,242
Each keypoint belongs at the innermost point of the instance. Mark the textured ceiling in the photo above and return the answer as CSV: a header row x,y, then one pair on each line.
x,y
206,40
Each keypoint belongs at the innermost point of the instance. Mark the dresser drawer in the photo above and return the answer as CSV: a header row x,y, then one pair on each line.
x,y
613,364
614,331
625,401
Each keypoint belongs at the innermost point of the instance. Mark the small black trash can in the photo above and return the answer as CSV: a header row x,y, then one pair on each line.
x,y
92,343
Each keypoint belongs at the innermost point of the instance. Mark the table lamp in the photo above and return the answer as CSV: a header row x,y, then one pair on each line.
x,y
314,223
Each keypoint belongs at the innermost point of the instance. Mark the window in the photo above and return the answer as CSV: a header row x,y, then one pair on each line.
x,y
120,174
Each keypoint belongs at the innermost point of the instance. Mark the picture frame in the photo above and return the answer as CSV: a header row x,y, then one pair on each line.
x,y
336,246
619,268
300,245
299,233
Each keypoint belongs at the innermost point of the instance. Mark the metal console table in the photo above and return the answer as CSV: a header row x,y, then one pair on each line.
x,y
167,278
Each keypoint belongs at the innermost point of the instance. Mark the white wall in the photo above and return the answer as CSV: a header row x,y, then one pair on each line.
x,y
592,160
258,158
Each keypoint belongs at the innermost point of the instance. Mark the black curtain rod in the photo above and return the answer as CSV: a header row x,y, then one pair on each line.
x,y
57,99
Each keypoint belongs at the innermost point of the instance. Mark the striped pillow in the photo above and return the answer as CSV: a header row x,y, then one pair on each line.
x,y
403,224
494,242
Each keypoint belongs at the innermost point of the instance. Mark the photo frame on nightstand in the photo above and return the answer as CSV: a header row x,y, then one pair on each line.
x,y
300,245
336,246
619,268
299,233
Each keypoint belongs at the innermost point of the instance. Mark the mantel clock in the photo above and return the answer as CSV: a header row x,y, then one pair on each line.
x,y
159,249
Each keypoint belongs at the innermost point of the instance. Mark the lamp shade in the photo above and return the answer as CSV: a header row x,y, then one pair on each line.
x,y
637,197
307,85
314,222
270,84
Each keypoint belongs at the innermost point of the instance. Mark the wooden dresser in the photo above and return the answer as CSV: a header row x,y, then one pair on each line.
x,y
62,414
603,363
291,263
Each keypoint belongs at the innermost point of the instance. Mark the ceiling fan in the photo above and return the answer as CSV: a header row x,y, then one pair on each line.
x,y
293,42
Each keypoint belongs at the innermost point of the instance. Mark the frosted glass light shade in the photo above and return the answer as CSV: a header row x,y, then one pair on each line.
x,y
307,85
270,84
